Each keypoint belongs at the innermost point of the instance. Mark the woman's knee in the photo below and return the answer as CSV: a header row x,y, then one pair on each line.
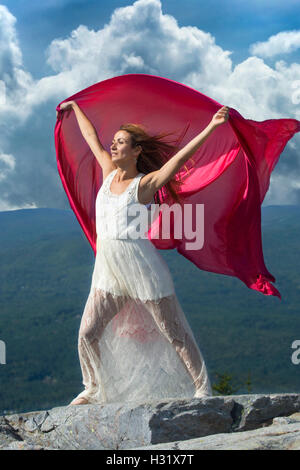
x,y
91,330
98,312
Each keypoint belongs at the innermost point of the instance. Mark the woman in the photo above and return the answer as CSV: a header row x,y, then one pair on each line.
x,y
131,281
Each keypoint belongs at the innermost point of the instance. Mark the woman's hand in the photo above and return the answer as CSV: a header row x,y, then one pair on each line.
x,y
221,116
66,106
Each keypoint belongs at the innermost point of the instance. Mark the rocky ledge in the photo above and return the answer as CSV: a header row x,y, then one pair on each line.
x,y
220,422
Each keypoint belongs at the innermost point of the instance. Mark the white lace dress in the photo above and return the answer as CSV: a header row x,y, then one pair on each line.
x,y
134,340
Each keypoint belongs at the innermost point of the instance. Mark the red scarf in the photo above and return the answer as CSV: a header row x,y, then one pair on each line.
x,y
229,173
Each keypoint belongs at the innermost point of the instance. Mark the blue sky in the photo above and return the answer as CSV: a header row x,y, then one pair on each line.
x,y
243,54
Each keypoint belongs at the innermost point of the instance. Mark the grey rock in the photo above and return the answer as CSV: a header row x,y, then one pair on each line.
x,y
123,425
282,435
287,419
253,411
166,424
7,433
23,445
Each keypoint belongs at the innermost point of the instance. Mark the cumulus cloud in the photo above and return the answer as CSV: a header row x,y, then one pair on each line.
x,y
14,80
260,91
139,38
7,206
7,164
284,190
281,43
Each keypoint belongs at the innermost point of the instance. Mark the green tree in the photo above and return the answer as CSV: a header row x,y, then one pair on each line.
x,y
223,386
248,383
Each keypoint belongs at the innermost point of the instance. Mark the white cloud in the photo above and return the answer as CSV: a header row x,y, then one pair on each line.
x,y
141,39
259,91
6,206
138,39
14,80
280,43
7,164
284,189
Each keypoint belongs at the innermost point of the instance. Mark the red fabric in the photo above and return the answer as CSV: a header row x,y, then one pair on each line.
x,y
229,174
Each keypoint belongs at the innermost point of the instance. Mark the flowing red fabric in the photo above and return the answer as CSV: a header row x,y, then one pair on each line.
x,y
229,173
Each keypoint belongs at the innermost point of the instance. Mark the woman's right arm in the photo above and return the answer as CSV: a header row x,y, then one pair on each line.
x,y
90,135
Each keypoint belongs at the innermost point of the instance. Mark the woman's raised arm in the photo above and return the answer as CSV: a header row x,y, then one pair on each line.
x,y
90,135
156,179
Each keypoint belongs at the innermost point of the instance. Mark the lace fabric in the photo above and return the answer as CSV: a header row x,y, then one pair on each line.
x,y
132,350
134,339
113,219
132,267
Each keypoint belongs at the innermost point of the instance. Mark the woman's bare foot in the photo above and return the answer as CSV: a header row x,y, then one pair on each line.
x,y
79,401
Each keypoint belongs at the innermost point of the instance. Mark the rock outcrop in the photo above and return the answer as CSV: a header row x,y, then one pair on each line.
x,y
220,422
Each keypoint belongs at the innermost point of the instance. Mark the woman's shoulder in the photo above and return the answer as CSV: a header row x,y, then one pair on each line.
x,y
142,194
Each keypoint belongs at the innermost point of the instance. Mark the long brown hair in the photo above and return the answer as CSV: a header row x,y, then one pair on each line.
x,y
155,153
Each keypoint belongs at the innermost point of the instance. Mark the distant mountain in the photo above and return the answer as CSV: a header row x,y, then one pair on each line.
x,y
46,269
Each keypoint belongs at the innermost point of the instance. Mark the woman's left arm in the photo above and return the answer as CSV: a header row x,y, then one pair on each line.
x,y
160,177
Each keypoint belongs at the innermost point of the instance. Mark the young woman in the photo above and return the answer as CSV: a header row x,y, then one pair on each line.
x,y
131,281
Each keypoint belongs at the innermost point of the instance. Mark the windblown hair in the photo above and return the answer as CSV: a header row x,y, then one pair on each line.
x,y
155,153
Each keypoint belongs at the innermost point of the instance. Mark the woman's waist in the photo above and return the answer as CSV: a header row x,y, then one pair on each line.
x,y
120,241
125,246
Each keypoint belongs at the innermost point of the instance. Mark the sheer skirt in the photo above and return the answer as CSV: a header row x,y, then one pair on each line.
x,y
130,349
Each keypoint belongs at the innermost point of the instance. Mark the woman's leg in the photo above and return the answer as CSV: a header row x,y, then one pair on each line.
x,y
173,324
99,310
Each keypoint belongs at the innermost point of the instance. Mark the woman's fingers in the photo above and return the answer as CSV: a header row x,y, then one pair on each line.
x,y
224,111
66,105
66,108
221,115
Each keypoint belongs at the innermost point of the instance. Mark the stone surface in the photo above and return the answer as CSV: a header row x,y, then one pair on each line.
x,y
282,434
252,411
205,423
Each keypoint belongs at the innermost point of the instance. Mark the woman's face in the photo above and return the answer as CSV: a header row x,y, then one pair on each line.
x,y
121,146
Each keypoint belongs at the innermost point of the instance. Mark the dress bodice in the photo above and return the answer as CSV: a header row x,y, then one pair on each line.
x,y
117,214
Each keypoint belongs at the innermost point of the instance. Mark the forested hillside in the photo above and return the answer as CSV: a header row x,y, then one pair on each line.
x,y
46,269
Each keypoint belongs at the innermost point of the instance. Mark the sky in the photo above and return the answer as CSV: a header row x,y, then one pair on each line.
x,y
242,54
